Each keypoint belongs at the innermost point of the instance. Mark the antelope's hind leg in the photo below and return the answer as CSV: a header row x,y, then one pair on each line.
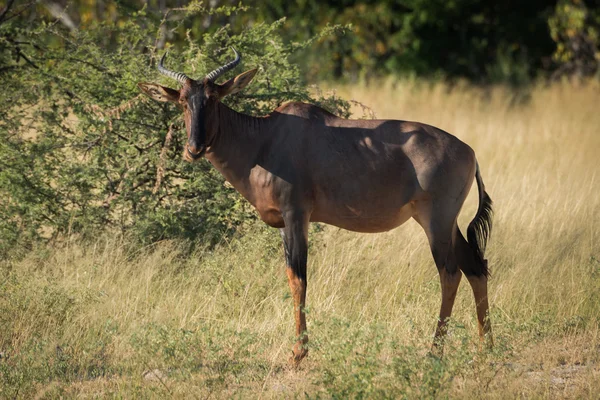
x,y
440,227
453,254
470,264
479,286
295,243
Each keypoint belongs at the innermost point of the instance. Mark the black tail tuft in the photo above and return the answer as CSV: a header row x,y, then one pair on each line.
x,y
480,228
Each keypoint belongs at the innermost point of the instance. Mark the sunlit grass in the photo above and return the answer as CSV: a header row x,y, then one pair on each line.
x,y
90,319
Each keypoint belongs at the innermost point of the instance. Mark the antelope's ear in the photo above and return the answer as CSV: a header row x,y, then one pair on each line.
x,y
236,84
159,93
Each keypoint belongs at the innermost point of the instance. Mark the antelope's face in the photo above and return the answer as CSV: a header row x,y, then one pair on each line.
x,y
197,99
194,100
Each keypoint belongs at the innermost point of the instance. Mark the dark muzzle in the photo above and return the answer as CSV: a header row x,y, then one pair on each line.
x,y
196,152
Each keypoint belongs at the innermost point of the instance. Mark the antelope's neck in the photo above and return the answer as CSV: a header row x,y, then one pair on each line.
x,y
236,143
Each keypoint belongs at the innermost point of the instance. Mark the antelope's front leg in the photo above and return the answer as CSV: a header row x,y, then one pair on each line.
x,y
295,243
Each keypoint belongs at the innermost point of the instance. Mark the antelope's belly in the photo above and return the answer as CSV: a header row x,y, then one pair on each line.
x,y
349,218
364,219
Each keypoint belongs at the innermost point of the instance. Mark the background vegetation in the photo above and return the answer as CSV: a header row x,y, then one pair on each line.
x,y
125,272
484,41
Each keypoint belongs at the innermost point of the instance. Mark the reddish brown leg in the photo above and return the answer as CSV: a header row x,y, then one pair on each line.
x,y
295,243
449,283
479,286
298,288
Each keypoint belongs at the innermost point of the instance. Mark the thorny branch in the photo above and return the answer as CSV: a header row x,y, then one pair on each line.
x,y
160,168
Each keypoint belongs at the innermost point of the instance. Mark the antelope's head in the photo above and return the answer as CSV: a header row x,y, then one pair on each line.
x,y
198,98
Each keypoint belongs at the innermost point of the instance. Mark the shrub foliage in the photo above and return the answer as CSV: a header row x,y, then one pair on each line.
x,y
82,150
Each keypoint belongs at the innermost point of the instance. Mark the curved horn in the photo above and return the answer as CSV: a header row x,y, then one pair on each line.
x,y
182,78
227,67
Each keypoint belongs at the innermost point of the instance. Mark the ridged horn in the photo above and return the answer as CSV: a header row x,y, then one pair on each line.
x,y
182,78
227,67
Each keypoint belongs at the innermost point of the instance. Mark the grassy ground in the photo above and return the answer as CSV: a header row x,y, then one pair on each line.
x,y
106,320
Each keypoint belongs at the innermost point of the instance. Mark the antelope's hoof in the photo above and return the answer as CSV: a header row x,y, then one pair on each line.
x,y
298,354
486,342
436,352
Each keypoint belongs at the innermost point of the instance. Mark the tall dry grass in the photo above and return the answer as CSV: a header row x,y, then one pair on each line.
x,y
93,319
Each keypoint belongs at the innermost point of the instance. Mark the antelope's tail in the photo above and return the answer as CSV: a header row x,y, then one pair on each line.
x,y
480,228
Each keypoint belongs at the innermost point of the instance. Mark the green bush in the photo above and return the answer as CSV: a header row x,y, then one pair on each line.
x,y
575,29
81,150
